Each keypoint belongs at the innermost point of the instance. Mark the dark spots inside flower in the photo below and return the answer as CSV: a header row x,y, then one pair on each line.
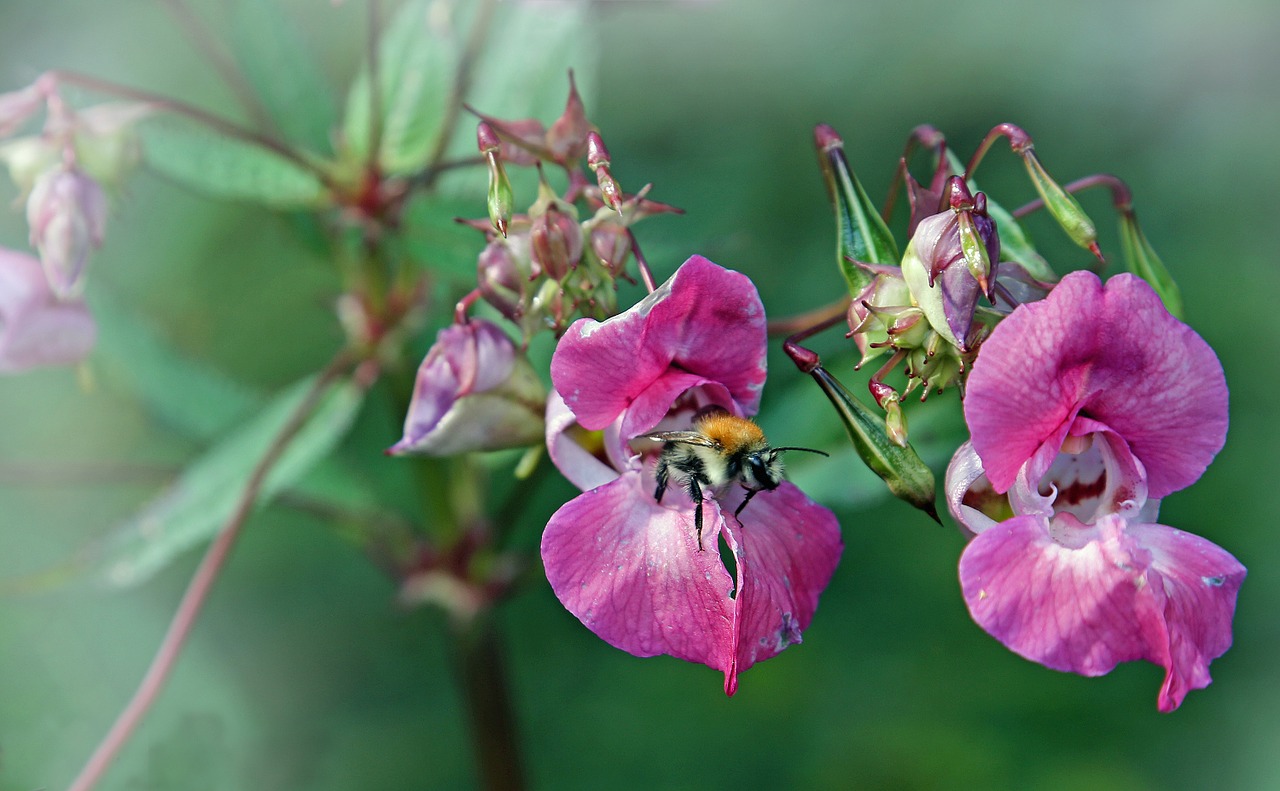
x,y
982,498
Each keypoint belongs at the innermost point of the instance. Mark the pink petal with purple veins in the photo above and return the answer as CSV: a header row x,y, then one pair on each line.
x,y
1111,354
706,321
786,547
630,570
1085,598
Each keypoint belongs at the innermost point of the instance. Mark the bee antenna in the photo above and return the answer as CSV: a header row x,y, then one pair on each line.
x,y
807,450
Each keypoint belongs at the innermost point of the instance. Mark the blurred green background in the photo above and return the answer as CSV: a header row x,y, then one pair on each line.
x,y
305,674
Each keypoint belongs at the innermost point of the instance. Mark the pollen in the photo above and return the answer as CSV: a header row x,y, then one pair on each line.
x,y
733,433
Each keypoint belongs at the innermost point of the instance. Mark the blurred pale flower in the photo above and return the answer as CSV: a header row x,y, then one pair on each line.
x,y
36,327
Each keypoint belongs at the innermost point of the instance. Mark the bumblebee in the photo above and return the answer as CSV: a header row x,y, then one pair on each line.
x,y
719,450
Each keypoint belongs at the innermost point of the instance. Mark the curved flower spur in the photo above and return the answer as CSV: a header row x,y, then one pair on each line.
x,y
628,566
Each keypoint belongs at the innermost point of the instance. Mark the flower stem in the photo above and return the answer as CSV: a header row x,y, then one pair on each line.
x,y
218,124
197,592
481,669
817,319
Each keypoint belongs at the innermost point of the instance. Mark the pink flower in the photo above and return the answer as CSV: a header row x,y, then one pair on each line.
x,y
474,391
1086,408
36,328
628,567
67,215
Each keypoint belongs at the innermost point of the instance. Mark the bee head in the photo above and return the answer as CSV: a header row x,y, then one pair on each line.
x,y
763,468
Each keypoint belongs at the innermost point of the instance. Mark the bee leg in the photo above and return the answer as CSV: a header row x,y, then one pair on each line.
x,y
661,474
695,492
750,493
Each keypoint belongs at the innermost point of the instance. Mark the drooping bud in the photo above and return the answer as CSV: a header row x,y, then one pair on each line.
x,y
1061,205
501,197
16,107
501,280
555,237
67,215
902,470
861,234
36,327
106,139
567,137
1141,259
611,243
946,275
598,161
27,158
890,401
474,391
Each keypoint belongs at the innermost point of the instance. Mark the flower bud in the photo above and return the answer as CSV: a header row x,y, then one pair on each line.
x,y
598,161
474,392
27,158
947,293
611,243
501,280
567,137
501,197
1141,259
106,139
555,242
1061,205
67,215
16,107
37,328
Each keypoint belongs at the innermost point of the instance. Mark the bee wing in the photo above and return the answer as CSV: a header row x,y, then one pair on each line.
x,y
685,437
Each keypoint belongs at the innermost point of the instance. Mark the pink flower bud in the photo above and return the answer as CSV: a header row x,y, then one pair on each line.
x,y
556,243
567,137
611,243
67,215
501,280
36,328
16,107
474,391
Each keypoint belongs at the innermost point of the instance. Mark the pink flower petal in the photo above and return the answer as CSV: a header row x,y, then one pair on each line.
x,y
786,547
36,328
583,468
1112,354
630,570
706,321
1085,598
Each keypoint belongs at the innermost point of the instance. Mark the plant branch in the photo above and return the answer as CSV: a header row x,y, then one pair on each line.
x,y
1121,196
197,592
481,668
823,317
214,122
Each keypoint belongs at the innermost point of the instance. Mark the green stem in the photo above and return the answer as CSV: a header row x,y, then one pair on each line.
x,y
481,668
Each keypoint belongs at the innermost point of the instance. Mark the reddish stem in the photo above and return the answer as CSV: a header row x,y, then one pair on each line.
x,y
646,276
1121,196
197,592
808,360
816,317
196,114
1019,141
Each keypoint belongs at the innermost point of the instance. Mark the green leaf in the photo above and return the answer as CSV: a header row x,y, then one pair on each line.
x,y
862,234
284,72
215,164
133,356
907,477
417,60
194,508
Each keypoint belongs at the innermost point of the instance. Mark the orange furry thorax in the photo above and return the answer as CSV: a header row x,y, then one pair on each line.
x,y
732,433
